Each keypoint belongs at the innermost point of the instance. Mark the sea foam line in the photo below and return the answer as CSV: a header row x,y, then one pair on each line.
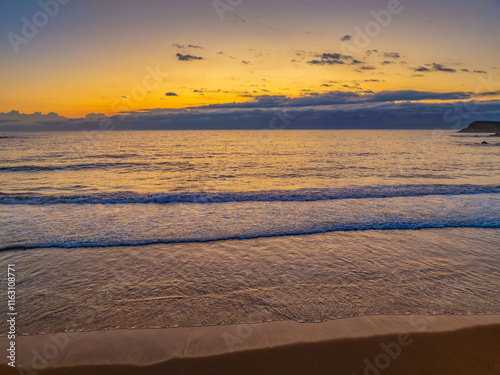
x,y
347,228
299,195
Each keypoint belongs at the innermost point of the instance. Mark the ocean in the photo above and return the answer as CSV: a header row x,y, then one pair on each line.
x,y
146,229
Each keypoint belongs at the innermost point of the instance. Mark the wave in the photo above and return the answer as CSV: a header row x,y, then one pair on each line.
x,y
299,195
69,167
340,228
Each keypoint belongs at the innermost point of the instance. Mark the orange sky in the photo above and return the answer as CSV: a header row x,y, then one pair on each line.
x,y
93,57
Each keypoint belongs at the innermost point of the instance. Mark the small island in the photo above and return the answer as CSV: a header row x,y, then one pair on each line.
x,y
482,127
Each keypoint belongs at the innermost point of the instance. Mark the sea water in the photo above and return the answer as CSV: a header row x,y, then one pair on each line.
x,y
180,228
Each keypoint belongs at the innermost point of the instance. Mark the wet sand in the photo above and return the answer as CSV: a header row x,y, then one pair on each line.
x,y
447,271
404,344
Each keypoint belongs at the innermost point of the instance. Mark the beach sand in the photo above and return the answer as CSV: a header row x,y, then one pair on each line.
x,y
369,345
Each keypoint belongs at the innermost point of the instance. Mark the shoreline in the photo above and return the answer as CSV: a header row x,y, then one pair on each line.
x,y
412,227
388,344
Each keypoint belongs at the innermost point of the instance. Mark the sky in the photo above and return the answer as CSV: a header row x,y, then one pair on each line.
x,y
151,64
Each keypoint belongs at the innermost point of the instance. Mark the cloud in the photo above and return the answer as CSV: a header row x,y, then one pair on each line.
x,y
345,38
334,56
441,68
434,67
332,110
14,116
182,57
473,71
245,62
392,55
412,95
341,97
310,105
385,62
183,46
489,93
95,115
367,67
355,86
421,69
331,59
325,62
371,114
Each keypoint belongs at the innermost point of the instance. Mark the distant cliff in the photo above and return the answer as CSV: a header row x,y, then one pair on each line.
x,y
482,127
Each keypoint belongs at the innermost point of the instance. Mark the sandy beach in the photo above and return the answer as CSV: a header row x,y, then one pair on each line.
x,y
409,344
